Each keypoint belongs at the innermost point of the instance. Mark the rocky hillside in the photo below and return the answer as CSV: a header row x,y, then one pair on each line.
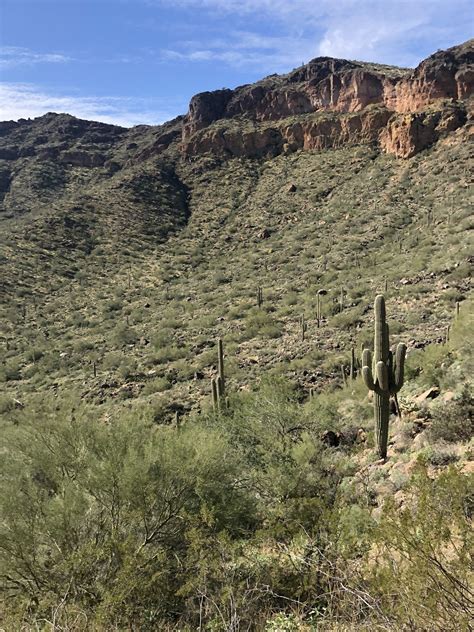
x,y
269,217
131,249
334,102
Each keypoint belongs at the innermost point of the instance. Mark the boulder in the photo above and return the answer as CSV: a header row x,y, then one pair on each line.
x,y
430,393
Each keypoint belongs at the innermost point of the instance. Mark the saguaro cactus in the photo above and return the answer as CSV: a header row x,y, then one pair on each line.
x,y
220,366
318,306
215,396
353,366
303,326
343,375
385,378
218,382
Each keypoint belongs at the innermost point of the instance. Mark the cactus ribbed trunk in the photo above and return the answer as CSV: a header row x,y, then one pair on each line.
x,y
381,395
381,416
385,377
220,365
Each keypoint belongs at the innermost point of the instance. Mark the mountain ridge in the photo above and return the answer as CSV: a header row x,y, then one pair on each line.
x,y
156,480
322,85
87,206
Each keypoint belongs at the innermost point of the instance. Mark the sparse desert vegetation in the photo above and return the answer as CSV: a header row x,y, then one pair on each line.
x,y
147,485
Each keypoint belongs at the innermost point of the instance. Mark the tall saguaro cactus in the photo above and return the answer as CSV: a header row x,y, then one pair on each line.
x,y
220,366
303,326
385,378
218,382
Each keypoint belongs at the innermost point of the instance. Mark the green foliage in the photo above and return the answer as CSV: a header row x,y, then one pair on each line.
x,y
454,421
10,372
156,385
429,364
98,514
262,324
242,514
421,571
260,522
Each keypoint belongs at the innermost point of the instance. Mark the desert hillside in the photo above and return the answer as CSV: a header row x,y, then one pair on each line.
x,y
269,216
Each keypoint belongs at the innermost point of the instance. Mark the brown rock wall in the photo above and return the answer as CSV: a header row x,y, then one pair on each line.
x,y
338,86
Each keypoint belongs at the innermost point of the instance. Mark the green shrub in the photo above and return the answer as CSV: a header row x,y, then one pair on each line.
x,y
33,355
262,324
428,365
156,385
10,372
112,360
113,512
124,335
439,454
347,319
454,421
7,404
419,568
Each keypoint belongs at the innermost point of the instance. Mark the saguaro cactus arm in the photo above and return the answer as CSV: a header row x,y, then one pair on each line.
x,y
399,366
386,377
368,378
382,375
367,370
220,363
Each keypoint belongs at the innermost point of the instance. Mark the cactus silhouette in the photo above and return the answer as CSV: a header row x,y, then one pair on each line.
x,y
220,366
215,395
386,376
303,326
353,366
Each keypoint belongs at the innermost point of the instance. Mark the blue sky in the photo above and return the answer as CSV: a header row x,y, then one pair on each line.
x,y
140,61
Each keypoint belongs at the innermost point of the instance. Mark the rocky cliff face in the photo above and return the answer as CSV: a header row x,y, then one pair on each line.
x,y
216,121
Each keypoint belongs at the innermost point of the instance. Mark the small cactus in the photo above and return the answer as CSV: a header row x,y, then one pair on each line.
x,y
259,297
215,396
385,378
353,366
343,375
318,306
220,365
304,327
218,382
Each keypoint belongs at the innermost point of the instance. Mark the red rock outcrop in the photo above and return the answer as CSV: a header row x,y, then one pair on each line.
x,y
444,75
339,87
320,132
407,134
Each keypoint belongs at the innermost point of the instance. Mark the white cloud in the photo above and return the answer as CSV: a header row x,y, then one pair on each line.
x,y
243,48
19,100
11,56
400,32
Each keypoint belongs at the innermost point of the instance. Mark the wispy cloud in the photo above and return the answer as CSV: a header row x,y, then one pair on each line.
x,y
399,32
11,56
244,48
19,100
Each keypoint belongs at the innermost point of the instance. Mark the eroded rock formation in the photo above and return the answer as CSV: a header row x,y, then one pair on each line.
x,y
434,99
